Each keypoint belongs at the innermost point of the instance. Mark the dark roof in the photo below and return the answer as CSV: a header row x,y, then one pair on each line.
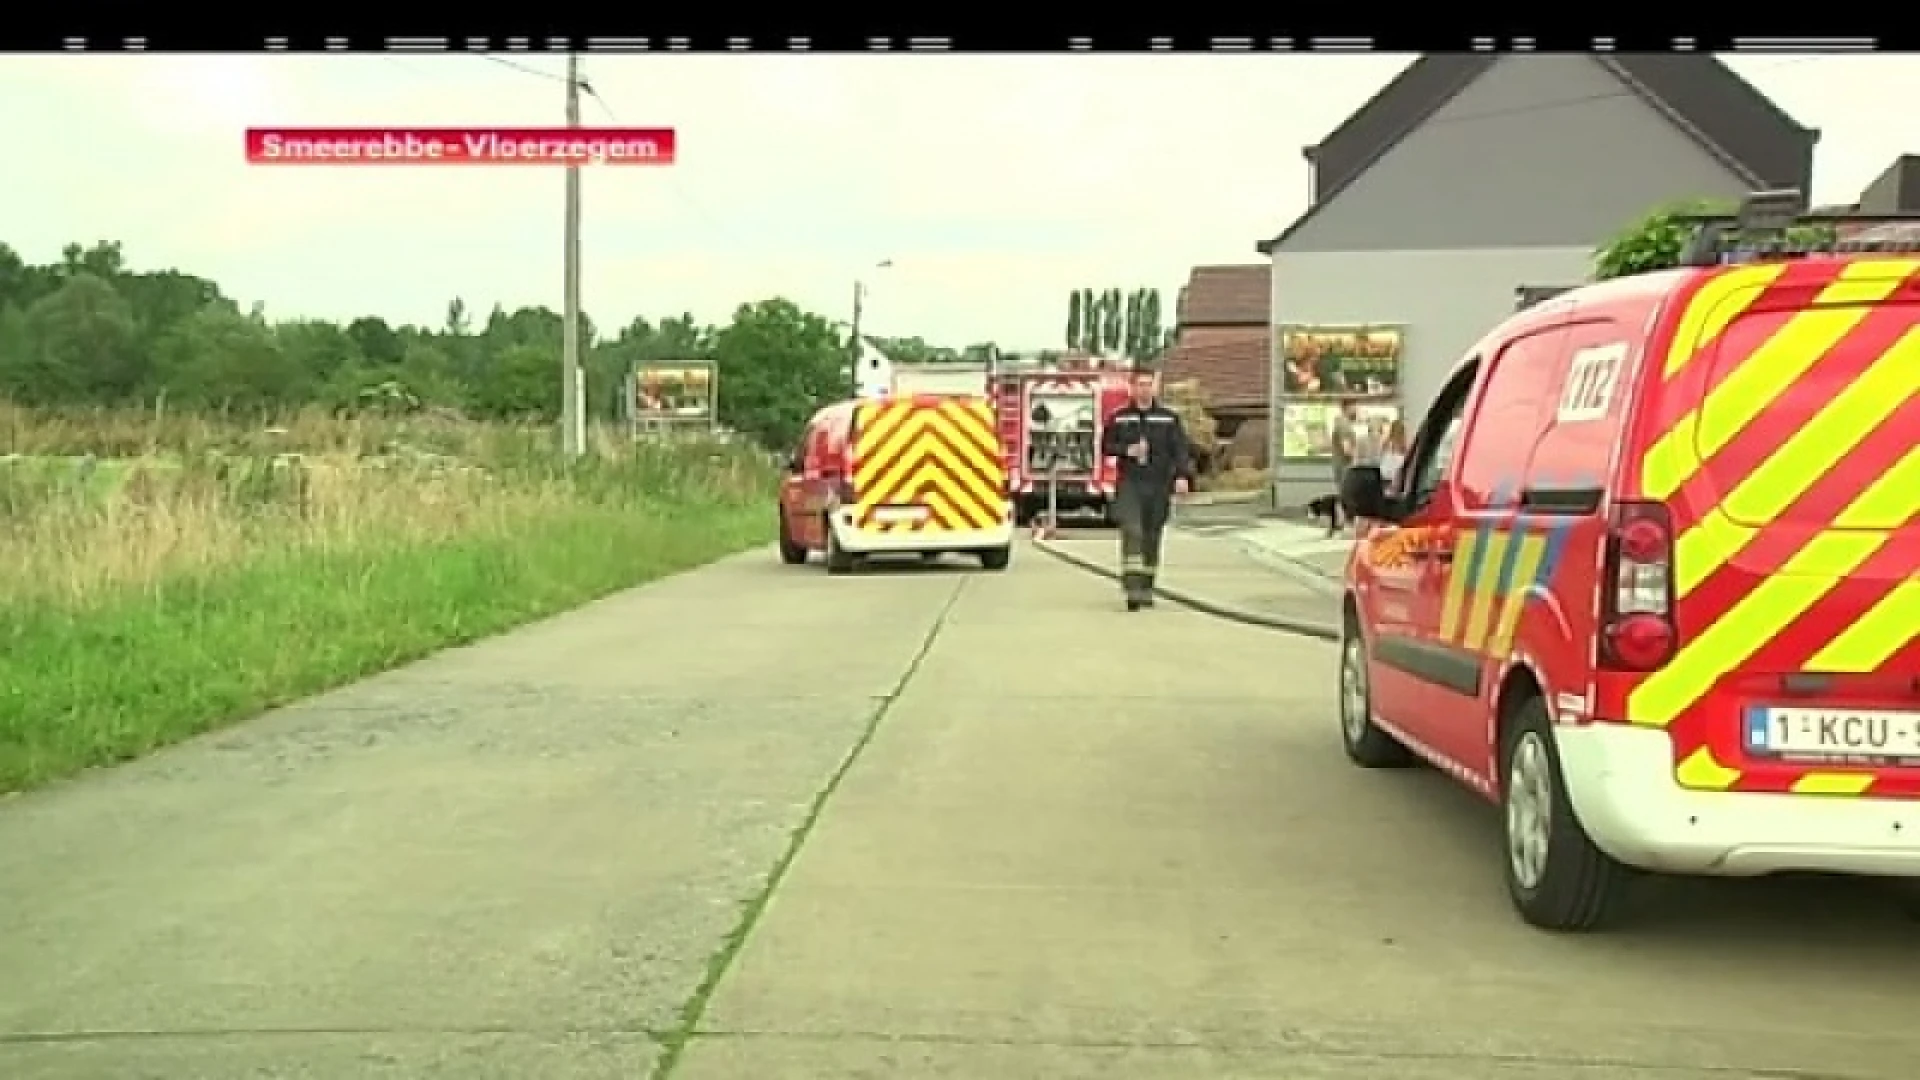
x,y
1226,296
1234,369
1704,98
1897,189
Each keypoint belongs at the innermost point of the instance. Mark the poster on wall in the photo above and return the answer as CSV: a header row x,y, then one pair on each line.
x,y
1339,361
1306,426
678,392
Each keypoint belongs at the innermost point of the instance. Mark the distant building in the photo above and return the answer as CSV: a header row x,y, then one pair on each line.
x,y
1473,176
1223,344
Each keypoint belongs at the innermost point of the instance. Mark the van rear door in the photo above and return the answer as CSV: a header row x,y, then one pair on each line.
x,y
928,464
1794,478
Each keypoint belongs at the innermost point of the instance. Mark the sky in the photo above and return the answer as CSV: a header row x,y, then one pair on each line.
x,y
994,185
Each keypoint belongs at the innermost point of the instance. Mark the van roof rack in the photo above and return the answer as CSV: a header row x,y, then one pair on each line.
x,y
1757,231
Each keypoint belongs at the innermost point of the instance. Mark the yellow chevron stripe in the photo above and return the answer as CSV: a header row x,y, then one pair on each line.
x,y
874,422
957,514
968,430
1885,629
907,460
971,427
1800,462
1769,371
1526,563
928,488
1455,602
1780,598
1832,783
1486,584
932,456
1721,300
889,447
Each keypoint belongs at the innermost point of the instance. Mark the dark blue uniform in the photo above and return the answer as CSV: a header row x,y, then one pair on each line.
x,y
1144,501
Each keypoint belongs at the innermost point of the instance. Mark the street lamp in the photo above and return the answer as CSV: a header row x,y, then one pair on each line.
x,y
853,338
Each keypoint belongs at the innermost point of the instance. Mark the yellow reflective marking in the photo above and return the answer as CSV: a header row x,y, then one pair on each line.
x,y
1526,563
1702,772
1717,304
1756,381
1773,604
1486,583
1832,783
1454,603
1885,629
1806,456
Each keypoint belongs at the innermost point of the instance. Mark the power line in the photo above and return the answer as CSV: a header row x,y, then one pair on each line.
x,y
513,65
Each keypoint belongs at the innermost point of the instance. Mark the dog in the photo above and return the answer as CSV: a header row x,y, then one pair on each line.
x,y
1326,506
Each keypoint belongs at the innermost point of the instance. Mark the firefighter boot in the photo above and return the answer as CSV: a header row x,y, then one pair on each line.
x,y
1146,585
1135,585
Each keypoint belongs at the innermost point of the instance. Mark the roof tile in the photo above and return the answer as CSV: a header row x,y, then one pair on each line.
x,y
1226,296
1233,368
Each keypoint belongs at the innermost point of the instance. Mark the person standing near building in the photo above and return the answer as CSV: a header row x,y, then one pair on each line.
x,y
1393,451
1346,450
1149,442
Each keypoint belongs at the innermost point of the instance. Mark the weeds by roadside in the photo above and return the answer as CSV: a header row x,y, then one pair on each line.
x,y
147,598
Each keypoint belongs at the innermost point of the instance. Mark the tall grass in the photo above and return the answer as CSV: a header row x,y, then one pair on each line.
x,y
160,576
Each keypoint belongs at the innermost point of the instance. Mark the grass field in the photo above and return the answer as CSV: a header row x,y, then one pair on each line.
x,y
160,577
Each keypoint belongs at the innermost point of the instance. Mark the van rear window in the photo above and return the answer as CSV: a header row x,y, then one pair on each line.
x,y
1796,404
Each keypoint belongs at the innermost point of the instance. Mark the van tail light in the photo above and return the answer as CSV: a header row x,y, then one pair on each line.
x,y
1637,631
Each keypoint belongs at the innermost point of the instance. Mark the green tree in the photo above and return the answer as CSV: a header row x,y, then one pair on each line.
x,y
1113,316
1657,240
523,382
776,365
217,358
80,344
458,323
1073,319
1089,339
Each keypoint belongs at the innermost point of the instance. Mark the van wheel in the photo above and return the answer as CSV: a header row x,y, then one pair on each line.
x,y
1557,878
839,559
1367,746
995,558
791,553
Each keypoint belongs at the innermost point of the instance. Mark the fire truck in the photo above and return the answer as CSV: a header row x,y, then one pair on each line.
x,y
1051,416
1050,411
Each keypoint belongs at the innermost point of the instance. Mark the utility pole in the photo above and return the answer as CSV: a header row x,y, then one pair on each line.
x,y
854,349
853,343
572,408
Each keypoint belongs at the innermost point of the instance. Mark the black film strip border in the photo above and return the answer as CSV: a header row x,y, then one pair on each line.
x,y
845,43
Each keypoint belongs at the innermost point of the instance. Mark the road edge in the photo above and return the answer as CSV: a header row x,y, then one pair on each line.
x,y
1234,613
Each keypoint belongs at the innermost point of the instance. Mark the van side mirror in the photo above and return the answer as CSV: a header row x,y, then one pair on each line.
x,y
794,465
1363,493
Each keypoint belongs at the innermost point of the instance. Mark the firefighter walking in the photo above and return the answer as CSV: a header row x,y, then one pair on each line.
x,y
1150,444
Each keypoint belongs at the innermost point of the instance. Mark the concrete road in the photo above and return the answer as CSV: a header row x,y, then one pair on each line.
x,y
1078,843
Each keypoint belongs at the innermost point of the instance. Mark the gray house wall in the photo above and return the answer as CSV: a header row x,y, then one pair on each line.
x,y
1447,300
1514,182
1540,151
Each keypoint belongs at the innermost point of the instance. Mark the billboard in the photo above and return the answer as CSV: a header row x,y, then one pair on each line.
x,y
1306,426
1340,361
674,392
1321,366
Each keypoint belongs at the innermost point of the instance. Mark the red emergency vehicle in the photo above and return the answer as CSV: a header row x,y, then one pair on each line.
x,y
1648,577
1050,421
918,474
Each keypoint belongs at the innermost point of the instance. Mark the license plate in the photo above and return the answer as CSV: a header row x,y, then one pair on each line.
x,y
1870,735
892,514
